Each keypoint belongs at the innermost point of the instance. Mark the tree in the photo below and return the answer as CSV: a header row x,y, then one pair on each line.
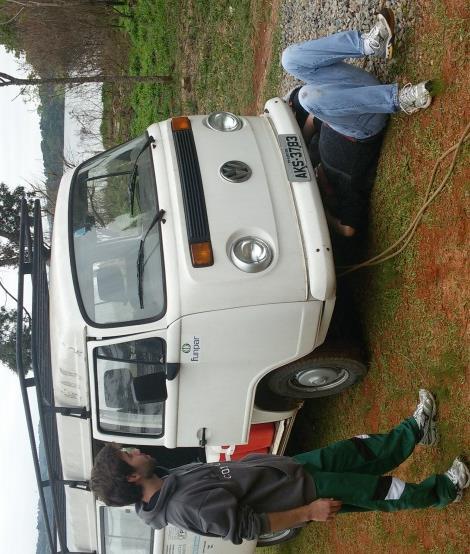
x,y
62,3
87,37
8,80
8,340
10,202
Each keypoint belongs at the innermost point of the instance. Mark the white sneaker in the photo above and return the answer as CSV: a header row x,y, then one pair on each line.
x,y
459,474
379,40
425,416
412,98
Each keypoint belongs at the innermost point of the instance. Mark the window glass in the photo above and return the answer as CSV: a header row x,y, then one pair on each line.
x,y
114,203
124,532
117,365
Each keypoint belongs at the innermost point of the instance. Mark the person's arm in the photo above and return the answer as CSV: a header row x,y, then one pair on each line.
x,y
319,510
221,514
308,130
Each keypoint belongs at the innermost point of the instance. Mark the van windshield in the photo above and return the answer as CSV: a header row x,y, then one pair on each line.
x,y
113,205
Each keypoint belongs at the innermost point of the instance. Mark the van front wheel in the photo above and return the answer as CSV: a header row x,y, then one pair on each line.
x,y
317,376
278,537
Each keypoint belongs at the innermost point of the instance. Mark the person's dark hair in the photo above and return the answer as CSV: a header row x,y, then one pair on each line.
x,y
109,478
300,112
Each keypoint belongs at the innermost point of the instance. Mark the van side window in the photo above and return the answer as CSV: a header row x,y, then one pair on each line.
x,y
116,366
123,532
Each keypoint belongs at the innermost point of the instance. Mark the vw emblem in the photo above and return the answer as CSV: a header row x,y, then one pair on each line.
x,y
186,348
235,171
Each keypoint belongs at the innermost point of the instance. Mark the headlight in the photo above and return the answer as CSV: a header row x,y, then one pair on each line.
x,y
223,121
251,254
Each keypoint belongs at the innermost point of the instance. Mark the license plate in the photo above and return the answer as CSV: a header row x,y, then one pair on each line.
x,y
294,158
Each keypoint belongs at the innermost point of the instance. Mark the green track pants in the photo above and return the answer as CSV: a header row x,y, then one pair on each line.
x,y
352,471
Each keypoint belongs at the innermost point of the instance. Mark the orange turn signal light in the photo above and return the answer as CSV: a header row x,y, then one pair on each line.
x,y
201,254
180,123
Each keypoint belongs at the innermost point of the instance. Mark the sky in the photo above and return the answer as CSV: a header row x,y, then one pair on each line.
x,y
20,139
20,163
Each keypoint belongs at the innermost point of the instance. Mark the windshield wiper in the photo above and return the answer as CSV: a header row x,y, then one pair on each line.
x,y
134,172
141,260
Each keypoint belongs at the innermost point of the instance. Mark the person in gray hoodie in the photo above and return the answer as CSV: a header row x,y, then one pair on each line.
x,y
265,493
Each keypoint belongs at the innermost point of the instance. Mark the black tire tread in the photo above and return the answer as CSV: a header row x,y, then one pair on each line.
x,y
350,354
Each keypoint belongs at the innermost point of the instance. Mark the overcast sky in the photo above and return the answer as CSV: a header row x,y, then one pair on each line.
x,y
20,163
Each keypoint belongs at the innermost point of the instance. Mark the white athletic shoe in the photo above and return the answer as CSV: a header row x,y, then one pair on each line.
x,y
459,474
379,40
412,98
425,416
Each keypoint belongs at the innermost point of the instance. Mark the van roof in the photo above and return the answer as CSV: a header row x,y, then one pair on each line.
x,y
32,260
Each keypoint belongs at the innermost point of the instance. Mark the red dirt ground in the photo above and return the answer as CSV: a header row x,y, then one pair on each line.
x,y
263,53
440,282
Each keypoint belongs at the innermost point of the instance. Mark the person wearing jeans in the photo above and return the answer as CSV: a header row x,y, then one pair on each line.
x,y
345,110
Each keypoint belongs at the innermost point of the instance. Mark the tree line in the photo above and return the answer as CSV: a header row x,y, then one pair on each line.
x,y
68,41
10,202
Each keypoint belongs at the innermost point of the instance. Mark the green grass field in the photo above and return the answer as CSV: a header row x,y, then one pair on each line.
x,y
206,45
412,309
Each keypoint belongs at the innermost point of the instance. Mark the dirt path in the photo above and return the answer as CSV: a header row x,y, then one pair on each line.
x,y
263,48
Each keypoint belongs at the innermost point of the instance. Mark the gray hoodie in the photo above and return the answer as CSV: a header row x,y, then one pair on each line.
x,y
230,499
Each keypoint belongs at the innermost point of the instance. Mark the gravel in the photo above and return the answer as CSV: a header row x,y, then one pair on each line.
x,y
309,19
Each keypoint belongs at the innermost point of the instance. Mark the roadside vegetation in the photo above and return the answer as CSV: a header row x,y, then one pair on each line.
x,y
208,48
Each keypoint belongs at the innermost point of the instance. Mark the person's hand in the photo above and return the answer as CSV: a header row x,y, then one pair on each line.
x,y
338,227
324,509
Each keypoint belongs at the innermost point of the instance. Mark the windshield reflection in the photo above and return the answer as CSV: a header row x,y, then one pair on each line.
x,y
107,233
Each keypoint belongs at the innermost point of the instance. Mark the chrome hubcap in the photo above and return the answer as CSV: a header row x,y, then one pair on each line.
x,y
320,378
275,536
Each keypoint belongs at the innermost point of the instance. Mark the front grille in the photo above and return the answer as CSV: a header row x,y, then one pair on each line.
x,y
195,211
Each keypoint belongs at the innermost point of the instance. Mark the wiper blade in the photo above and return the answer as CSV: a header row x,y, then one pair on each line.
x,y
134,172
131,188
141,257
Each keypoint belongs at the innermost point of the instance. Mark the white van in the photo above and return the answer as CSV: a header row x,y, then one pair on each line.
x,y
191,272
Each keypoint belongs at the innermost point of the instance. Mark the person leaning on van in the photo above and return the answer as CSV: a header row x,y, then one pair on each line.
x,y
263,493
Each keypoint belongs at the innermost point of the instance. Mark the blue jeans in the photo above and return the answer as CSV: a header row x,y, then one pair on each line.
x,y
349,99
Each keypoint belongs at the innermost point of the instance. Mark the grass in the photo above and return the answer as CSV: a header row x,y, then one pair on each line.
x,y
206,45
412,341
223,55
154,39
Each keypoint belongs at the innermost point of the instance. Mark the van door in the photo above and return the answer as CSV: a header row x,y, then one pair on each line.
x,y
134,389
121,531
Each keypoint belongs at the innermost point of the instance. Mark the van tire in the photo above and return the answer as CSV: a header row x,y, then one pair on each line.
x,y
266,399
278,537
325,372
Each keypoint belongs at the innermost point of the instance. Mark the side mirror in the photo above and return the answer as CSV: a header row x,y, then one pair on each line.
x,y
149,388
